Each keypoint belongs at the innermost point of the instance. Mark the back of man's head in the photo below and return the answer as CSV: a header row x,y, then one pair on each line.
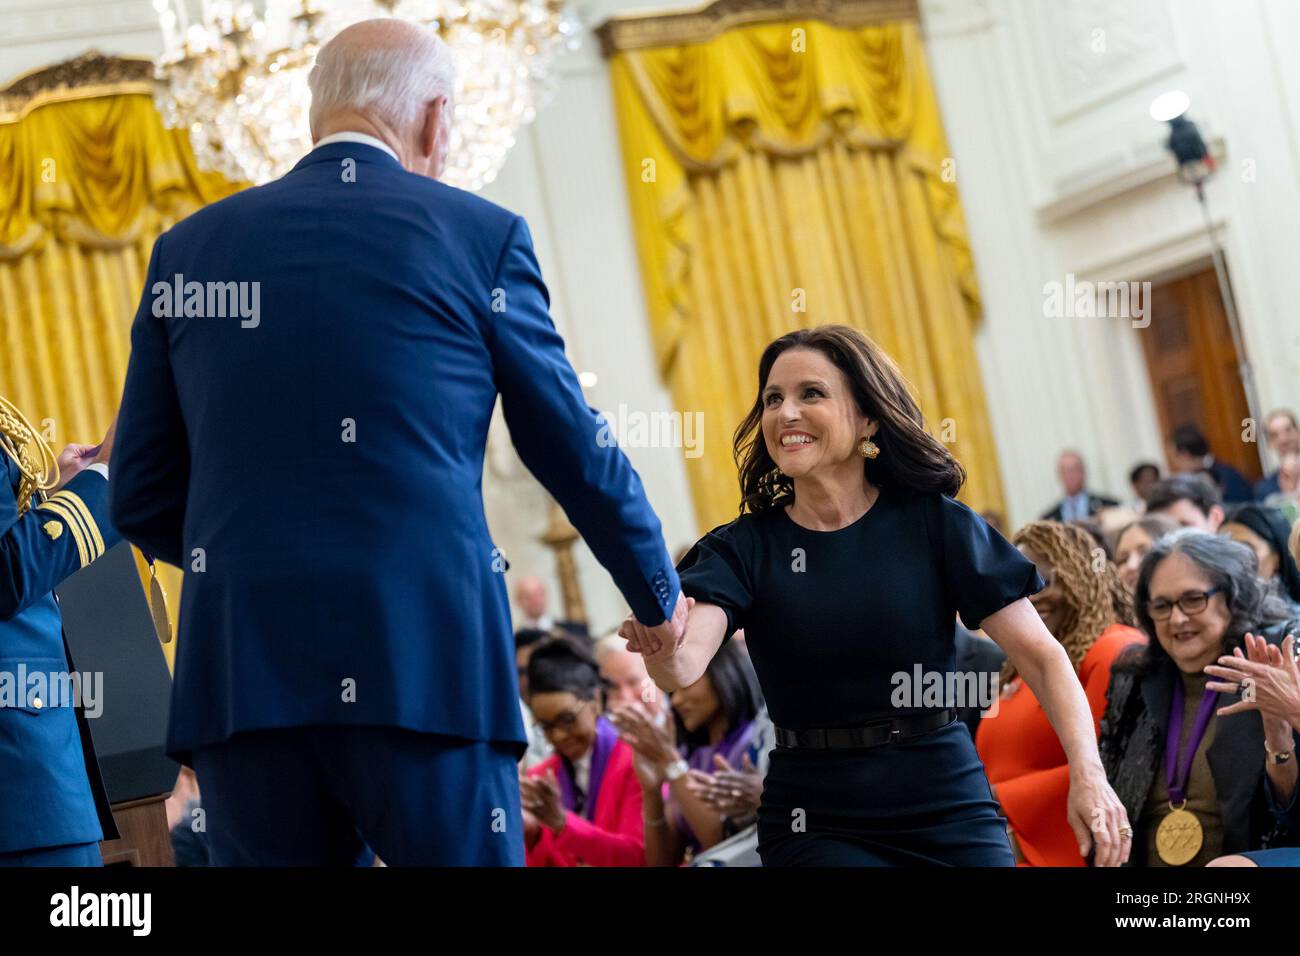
x,y
385,71
1195,489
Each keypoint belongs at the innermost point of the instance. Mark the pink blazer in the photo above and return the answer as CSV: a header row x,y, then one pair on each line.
x,y
613,837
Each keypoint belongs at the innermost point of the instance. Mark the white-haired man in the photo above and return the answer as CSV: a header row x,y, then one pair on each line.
x,y
345,667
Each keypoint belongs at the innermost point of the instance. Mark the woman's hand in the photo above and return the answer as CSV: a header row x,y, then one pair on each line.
x,y
659,643
540,796
733,793
1268,677
1098,818
654,744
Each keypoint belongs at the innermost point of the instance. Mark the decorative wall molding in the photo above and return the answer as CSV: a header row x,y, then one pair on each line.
x,y
1092,51
1119,172
60,20
642,30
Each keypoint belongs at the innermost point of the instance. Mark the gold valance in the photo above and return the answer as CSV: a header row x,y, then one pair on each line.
x,y
85,158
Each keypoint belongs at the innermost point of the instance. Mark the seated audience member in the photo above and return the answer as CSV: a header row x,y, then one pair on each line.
x,y
1077,502
1266,532
1135,540
527,640
1274,678
1197,782
1283,439
1142,479
1191,500
1286,498
715,716
582,805
1088,611
625,677
735,791
1191,455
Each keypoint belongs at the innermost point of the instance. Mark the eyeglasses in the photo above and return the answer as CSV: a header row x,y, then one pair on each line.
x,y
565,722
1193,602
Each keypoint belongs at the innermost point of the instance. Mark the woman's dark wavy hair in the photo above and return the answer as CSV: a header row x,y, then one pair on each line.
x,y
735,685
1230,566
910,458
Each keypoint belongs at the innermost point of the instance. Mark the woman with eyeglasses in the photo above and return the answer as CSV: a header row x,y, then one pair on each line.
x,y
582,805
1198,778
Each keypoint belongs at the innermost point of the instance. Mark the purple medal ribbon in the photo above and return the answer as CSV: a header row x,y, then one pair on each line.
x,y
606,738
1176,770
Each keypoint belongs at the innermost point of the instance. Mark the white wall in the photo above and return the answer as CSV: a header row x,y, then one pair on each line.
x,y
1061,170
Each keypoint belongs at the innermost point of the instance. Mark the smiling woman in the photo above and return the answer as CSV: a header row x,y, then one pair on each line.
x,y
1197,782
848,565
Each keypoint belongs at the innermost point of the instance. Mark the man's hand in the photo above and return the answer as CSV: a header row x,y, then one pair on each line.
x,y
73,460
105,452
666,637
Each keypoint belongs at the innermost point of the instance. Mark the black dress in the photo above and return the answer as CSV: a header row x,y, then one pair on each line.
x,y
830,617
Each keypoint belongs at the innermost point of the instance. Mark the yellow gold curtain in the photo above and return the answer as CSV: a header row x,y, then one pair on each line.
x,y
784,175
86,185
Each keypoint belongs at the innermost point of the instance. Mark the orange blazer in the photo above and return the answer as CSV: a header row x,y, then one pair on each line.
x,y
1026,764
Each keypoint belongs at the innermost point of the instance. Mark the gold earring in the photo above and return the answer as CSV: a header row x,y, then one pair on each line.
x,y
868,448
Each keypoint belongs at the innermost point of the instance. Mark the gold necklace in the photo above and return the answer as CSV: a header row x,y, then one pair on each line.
x,y
37,463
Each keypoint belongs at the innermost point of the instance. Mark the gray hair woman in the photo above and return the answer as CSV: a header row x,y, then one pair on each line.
x,y
1197,780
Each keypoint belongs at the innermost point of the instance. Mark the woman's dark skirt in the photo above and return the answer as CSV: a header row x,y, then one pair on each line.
x,y
922,802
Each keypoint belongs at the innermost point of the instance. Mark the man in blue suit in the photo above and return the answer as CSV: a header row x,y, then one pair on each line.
x,y
314,366
53,808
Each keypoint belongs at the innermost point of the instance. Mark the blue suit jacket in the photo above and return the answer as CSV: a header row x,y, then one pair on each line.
x,y
51,793
316,470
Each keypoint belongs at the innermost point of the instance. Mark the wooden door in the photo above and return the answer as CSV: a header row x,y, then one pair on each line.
x,y
1192,363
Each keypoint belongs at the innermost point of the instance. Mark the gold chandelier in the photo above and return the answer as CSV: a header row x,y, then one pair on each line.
x,y
237,76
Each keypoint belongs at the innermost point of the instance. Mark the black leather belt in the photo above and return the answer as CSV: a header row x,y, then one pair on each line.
x,y
869,735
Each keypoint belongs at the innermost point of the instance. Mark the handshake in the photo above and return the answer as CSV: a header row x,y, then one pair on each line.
x,y
662,641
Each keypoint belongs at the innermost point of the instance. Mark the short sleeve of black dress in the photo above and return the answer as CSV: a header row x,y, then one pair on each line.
x,y
715,571
983,571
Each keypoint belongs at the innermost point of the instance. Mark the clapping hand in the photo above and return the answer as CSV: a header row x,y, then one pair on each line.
x,y
540,796
655,747
1268,671
733,793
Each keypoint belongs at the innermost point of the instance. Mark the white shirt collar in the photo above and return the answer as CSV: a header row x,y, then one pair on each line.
x,y
347,136
582,771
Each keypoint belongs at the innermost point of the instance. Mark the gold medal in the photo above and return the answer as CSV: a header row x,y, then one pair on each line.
x,y
1179,836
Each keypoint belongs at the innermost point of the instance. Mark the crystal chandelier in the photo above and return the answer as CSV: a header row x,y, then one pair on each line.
x,y
237,78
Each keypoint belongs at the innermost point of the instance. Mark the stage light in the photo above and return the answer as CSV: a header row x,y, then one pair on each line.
x,y
1169,106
